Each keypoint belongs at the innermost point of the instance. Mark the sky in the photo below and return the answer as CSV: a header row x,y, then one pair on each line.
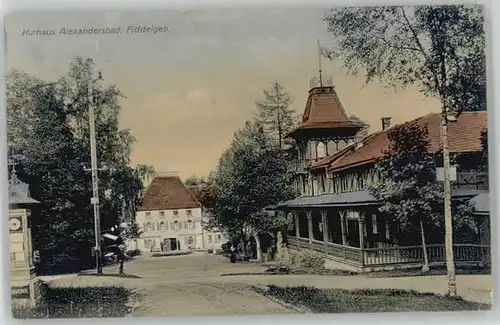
x,y
190,88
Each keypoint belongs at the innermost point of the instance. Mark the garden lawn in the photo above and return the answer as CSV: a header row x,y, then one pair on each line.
x,y
79,303
369,301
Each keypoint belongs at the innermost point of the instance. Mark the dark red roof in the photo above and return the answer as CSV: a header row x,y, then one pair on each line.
x,y
325,111
464,136
168,193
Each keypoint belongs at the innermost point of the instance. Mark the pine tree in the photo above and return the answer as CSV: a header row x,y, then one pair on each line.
x,y
275,114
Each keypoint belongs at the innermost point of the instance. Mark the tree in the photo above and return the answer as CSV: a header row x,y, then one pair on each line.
x,y
409,191
194,180
365,131
251,176
48,123
438,48
275,114
484,152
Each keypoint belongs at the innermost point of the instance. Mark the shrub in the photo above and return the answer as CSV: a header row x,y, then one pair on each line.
x,y
310,261
79,302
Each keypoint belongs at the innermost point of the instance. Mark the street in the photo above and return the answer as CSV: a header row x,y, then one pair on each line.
x,y
192,285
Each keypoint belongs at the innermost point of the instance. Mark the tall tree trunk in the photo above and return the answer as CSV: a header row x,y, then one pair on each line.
x,y
257,246
242,239
425,267
448,222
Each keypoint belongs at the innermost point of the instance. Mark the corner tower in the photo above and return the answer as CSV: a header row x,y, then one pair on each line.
x,y
325,129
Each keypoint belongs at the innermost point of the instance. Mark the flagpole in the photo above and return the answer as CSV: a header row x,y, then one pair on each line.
x,y
319,64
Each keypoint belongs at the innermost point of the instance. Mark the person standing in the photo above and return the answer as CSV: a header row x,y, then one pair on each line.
x,y
121,256
121,252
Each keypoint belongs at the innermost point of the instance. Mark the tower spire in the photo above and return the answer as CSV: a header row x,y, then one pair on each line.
x,y
319,65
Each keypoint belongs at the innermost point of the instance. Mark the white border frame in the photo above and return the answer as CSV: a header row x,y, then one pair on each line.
x,y
493,73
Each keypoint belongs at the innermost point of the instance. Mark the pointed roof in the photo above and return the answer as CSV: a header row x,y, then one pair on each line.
x,y
19,192
168,193
324,112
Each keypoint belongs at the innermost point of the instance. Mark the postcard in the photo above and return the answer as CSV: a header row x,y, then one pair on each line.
x,y
247,161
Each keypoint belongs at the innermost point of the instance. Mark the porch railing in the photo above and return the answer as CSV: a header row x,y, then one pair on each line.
x,y
463,253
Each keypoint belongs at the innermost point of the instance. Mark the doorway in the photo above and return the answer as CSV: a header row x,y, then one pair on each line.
x,y
170,244
353,233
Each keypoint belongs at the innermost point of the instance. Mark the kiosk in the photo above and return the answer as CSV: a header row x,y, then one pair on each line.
x,y
25,286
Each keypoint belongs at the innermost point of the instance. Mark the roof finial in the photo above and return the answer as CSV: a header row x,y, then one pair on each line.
x,y
13,161
319,64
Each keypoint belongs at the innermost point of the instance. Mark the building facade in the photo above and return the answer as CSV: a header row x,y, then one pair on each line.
x,y
171,219
336,213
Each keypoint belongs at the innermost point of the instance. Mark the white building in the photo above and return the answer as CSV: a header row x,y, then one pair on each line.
x,y
171,219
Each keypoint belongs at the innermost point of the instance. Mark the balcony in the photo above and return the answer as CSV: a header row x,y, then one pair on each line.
x,y
472,180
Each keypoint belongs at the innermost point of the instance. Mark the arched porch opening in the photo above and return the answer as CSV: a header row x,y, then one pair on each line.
x,y
303,229
317,225
334,226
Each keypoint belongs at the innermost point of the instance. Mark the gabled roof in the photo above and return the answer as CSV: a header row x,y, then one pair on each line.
x,y
325,111
168,193
464,136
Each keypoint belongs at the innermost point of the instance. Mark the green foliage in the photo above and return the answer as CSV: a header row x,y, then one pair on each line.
x,y
363,132
48,124
282,254
484,153
251,176
194,180
309,261
275,114
80,302
408,188
369,300
441,49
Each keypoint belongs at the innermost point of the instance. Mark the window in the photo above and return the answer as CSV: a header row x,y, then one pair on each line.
x,y
374,224
189,213
148,227
148,243
162,213
190,224
176,213
209,239
163,226
177,225
148,214
387,231
190,240
217,239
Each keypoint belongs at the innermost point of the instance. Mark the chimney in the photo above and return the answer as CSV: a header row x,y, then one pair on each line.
x,y
386,123
358,140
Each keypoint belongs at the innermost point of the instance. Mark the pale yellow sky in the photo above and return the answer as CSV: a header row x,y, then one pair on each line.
x,y
189,89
